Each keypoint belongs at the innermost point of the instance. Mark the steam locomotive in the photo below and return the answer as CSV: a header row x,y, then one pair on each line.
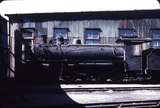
x,y
82,62
101,63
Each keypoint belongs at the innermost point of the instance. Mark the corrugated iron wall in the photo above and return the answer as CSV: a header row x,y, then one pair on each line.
x,y
109,28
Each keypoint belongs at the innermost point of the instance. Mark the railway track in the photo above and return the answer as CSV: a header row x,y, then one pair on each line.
x,y
104,87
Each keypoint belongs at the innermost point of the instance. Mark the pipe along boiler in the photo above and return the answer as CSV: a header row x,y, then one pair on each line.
x,y
78,52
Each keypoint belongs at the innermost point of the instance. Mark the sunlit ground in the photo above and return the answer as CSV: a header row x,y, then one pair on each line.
x,y
102,93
